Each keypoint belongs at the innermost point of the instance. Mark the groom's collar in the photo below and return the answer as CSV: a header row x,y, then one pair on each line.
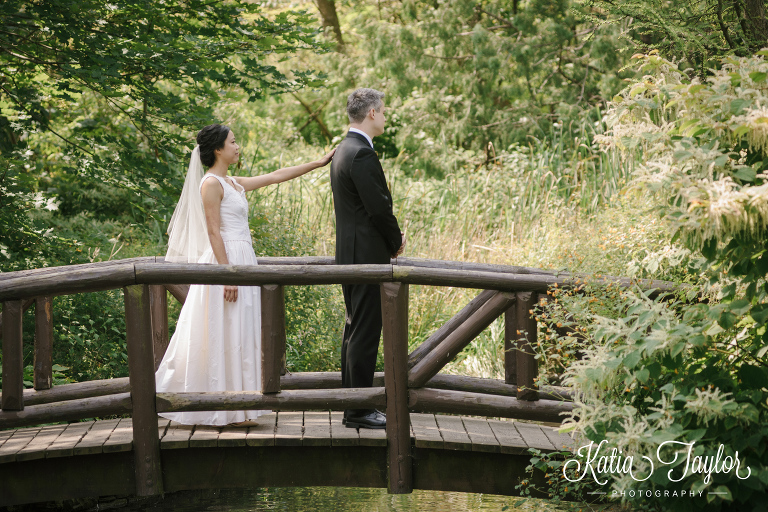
x,y
361,132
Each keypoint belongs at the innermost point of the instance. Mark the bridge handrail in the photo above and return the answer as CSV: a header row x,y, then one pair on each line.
x,y
409,383
72,279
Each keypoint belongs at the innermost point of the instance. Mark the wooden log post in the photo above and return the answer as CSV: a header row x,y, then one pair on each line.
x,y
43,365
510,346
272,336
525,331
141,372
158,306
13,365
394,312
455,342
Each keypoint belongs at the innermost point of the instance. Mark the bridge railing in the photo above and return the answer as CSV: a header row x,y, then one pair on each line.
x,y
410,382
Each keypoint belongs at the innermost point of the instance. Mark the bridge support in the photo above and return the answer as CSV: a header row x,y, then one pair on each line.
x,y
13,366
524,331
394,309
141,371
43,365
158,306
272,336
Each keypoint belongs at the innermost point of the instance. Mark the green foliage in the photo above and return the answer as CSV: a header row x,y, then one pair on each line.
x,y
683,370
96,94
89,335
465,80
58,376
557,489
699,32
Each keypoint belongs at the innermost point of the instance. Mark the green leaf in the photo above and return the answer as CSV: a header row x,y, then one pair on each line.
x,y
643,375
758,76
632,359
721,160
695,435
727,320
759,313
753,376
741,131
677,348
745,174
698,341
740,306
738,105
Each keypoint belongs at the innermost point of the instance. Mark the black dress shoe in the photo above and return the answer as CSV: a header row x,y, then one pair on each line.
x,y
373,419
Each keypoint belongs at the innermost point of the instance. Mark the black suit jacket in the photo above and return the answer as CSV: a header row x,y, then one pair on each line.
x,y
366,229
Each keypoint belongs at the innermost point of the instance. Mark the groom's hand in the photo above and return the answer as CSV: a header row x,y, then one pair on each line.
x,y
402,247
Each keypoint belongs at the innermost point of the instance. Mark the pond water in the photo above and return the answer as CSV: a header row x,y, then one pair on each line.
x,y
329,498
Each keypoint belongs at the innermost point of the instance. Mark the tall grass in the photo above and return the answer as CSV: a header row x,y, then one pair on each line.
x,y
540,205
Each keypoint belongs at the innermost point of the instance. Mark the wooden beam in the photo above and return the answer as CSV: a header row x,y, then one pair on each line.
x,y
449,326
493,387
297,400
158,306
525,331
510,344
120,273
13,356
477,279
435,360
294,381
65,280
394,312
467,265
332,380
141,365
36,272
259,275
70,410
179,291
76,391
43,362
475,404
272,336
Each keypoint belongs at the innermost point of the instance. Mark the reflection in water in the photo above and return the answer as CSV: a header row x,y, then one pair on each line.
x,y
341,499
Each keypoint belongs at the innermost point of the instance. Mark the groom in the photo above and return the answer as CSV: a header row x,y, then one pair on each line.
x,y
366,232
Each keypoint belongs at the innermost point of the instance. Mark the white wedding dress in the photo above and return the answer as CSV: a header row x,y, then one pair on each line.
x,y
217,344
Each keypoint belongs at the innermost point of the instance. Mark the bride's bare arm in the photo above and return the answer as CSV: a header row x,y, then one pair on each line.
x,y
212,195
281,175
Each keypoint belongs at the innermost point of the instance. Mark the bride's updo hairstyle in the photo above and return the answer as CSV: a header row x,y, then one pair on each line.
x,y
211,138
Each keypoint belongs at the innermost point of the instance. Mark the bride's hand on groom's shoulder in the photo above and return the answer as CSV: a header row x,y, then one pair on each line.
x,y
327,158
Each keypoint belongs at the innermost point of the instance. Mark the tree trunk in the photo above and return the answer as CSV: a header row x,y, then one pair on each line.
x,y
327,10
756,21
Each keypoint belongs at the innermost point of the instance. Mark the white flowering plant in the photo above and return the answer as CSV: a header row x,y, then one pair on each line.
x,y
689,370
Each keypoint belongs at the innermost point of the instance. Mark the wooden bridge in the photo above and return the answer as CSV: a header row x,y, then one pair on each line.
x,y
437,436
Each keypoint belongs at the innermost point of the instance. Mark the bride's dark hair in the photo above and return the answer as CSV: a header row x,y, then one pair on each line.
x,y
211,138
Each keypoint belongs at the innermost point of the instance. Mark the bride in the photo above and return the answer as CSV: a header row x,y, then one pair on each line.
x,y
217,342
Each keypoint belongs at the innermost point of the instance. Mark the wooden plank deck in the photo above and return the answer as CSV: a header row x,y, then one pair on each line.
x,y
282,429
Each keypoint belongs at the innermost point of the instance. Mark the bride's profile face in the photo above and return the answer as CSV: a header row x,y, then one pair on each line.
x,y
230,153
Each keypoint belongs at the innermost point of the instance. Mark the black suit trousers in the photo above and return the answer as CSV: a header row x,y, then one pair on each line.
x,y
362,331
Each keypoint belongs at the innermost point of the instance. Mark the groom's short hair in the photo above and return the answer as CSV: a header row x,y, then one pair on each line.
x,y
361,101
